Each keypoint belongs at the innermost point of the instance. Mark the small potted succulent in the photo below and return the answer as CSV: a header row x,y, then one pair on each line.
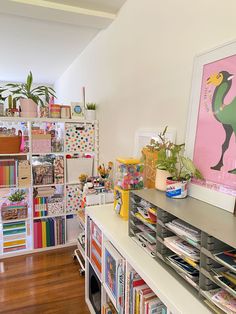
x,y
30,97
17,197
91,111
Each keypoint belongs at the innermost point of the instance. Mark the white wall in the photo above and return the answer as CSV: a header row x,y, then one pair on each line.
x,y
139,69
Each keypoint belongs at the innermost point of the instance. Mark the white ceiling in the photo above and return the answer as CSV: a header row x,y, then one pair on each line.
x,y
46,36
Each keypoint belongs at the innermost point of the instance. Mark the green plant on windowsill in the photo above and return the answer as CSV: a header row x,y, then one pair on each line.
x,y
17,196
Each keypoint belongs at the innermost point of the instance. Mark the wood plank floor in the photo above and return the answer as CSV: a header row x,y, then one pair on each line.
x,y
47,282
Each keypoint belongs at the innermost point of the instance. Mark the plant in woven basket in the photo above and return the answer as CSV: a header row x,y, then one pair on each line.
x,y
17,196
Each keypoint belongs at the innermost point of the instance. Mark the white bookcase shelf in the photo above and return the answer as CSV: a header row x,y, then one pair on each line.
x,y
30,156
165,283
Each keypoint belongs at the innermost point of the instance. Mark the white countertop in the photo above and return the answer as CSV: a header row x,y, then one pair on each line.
x,y
171,288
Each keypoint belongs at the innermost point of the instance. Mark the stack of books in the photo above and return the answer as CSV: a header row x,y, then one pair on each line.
x,y
49,232
109,308
14,236
40,206
182,248
8,172
140,299
184,229
224,300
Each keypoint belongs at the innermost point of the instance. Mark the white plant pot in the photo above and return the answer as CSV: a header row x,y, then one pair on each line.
x,y
28,108
90,115
160,181
176,189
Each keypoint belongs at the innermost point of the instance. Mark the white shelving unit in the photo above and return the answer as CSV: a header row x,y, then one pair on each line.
x,y
171,290
28,156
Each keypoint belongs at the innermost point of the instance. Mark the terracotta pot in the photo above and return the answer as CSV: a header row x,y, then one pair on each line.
x,y
160,181
90,115
28,108
176,189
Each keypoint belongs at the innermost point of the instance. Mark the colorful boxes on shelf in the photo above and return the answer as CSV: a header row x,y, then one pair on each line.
x,y
17,210
80,137
129,173
55,111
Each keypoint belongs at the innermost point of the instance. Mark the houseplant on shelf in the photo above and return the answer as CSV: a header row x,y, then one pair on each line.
x,y
91,111
180,168
2,101
157,149
30,97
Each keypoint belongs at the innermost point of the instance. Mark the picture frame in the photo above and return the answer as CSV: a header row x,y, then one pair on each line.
x,y
143,137
77,110
215,192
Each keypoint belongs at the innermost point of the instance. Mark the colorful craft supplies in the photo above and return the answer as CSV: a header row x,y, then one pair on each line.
x,y
129,173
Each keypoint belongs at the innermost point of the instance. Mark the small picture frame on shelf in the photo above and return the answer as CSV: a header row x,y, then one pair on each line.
x,y
77,110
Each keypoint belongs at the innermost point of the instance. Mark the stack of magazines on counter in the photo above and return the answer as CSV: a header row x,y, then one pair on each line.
x,y
185,230
140,299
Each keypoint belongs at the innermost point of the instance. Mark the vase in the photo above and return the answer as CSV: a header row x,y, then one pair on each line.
x,y
176,189
90,115
161,177
28,108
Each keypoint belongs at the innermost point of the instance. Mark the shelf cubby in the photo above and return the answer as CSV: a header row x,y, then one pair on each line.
x,y
210,242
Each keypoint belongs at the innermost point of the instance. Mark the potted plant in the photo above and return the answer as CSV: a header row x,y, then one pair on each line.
x,y
180,168
17,196
157,150
91,111
2,101
30,97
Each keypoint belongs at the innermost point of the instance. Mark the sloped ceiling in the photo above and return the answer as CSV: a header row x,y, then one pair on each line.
x,y
46,36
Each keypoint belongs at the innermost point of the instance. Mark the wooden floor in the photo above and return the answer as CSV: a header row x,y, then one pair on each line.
x,y
47,282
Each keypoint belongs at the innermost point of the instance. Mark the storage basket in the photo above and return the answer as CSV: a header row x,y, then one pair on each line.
x,y
14,211
10,144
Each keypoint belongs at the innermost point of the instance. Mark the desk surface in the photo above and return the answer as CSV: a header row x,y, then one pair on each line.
x,y
171,289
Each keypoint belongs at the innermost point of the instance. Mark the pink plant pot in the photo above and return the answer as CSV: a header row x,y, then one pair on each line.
x,y
28,108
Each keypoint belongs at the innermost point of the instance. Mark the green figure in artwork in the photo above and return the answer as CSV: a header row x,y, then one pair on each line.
x,y
225,114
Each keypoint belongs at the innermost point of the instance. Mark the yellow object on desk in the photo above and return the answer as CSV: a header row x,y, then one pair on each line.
x,y
121,202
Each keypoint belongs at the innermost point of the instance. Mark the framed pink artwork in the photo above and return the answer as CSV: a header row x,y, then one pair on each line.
x,y
211,130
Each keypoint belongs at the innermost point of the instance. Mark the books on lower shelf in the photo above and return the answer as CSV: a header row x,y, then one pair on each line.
x,y
96,247
49,232
8,172
113,276
14,236
140,299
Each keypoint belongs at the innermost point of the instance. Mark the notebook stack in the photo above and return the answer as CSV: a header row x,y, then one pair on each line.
x,y
14,236
183,229
49,232
8,173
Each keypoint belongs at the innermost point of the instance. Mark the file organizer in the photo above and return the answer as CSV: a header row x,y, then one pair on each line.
x,y
213,232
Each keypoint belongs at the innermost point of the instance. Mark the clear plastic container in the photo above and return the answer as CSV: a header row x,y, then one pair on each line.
x,y
129,173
